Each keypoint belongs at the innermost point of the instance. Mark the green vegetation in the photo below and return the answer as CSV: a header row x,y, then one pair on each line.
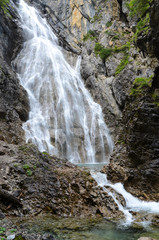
x,y
2,233
104,53
124,48
90,35
155,97
13,230
139,8
2,230
122,64
96,18
28,170
19,237
46,154
140,84
109,24
3,5
142,26
116,37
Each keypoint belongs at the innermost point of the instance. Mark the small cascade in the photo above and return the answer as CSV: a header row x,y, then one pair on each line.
x,y
133,204
64,120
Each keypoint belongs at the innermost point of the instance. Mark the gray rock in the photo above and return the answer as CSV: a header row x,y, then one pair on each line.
x,y
11,237
14,106
146,238
121,86
2,215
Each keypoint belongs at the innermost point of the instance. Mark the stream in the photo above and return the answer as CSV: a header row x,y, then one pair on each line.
x,y
58,228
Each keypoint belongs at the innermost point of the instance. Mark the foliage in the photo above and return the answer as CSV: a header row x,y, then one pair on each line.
x,y
139,8
140,84
109,24
26,166
2,230
90,35
122,64
116,37
123,48
19,237
96,18
104,53
28,170
2,233
3,5
46,154
142,26
13,230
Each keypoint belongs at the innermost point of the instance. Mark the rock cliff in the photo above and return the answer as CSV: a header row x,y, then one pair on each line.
x,y
14,106
116,55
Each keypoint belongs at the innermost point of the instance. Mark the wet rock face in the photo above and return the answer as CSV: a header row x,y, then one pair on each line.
x,y
69,19
142,131
140,161
14,104
154,39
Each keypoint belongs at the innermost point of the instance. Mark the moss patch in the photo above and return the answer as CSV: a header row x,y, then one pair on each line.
x,y
122,64
104,53
140,84
90,35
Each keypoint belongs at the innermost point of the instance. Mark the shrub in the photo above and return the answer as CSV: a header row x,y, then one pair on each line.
x,y
139,8
140,84
104,53
109,24
122,64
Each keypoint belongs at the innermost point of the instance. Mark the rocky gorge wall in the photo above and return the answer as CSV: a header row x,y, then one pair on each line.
x,y
104,34
14,106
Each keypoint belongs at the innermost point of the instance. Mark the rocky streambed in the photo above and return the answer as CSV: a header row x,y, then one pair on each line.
x,y
51,227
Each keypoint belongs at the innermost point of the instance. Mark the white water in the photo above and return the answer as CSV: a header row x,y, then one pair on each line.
x,y
64,120
132,203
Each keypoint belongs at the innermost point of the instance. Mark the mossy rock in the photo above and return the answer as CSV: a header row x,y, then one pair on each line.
x,y
19,237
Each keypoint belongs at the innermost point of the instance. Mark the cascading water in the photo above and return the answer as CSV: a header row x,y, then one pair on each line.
x,y
133,204
64,120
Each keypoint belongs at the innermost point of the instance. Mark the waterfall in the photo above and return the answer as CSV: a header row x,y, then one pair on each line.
x,y
63,120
